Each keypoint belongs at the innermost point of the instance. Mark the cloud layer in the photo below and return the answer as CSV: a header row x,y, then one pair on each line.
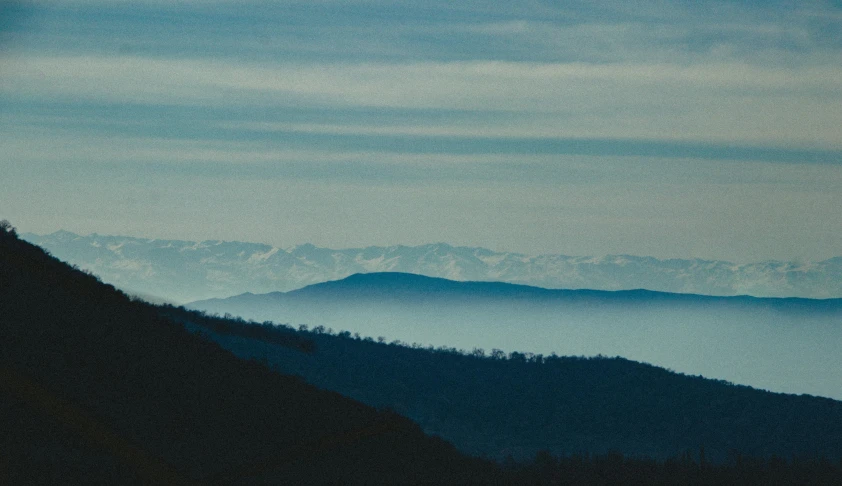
x,y
638,114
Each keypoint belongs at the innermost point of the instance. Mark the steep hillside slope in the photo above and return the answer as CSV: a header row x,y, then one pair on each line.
x,y
97,388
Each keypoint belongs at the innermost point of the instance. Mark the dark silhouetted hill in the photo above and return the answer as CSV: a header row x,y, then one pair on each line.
x,y
97,388
400,287
496,404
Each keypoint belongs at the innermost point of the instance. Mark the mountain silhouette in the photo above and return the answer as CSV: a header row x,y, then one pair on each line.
x,y
779,344
399,286
183,271
98,388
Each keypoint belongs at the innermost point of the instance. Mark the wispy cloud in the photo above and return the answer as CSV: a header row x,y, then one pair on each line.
x,y
719,102
555,116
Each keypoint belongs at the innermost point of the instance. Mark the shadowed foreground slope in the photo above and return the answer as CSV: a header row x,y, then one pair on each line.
x,y
97,388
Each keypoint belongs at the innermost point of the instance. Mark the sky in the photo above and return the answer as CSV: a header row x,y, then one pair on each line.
x,y
678,129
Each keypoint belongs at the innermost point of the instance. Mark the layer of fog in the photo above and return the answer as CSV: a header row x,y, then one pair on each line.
x,y
766,347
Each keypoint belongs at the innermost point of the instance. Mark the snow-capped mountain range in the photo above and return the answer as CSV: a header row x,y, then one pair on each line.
x,y
184,271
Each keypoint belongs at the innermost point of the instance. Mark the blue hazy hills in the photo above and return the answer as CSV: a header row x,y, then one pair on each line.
x,y
96,387
495,403
407,286
780,344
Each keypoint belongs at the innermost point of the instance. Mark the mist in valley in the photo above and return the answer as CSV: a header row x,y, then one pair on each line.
x,y
780,345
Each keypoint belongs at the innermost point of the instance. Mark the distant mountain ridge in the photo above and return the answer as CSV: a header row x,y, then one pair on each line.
x,y
396,287
780,344
98,388
184,271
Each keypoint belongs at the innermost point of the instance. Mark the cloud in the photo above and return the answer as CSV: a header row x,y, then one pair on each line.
x,y
529,30
646,127
731,103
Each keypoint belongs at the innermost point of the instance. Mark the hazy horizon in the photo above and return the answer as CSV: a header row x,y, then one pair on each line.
x,y
376,245
770,344
182,271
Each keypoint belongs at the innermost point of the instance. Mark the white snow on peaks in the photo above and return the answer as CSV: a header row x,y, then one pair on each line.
x,y
184,271
262,257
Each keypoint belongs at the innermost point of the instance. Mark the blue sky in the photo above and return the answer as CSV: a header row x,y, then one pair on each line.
x,y
670,129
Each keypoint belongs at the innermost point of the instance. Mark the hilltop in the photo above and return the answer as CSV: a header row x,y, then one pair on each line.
x,y
779,344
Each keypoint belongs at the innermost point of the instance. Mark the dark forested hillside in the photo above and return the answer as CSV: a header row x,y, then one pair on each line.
x,y
518,404
96,388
